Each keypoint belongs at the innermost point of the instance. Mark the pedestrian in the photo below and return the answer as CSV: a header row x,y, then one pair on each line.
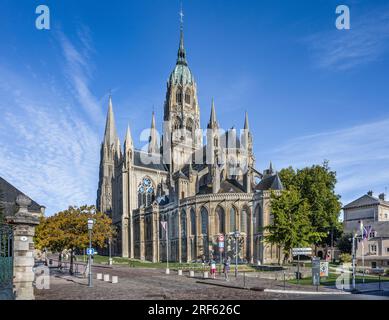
x,y
212,263
203,262
226,268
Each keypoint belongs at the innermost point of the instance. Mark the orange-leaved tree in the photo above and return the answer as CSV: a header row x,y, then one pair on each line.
x,y
68,229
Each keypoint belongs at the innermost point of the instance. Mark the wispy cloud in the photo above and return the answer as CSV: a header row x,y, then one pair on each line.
x,y
359,154
48,148
78,72
366,41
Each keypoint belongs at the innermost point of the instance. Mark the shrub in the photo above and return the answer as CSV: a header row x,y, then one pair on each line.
x,y
345,257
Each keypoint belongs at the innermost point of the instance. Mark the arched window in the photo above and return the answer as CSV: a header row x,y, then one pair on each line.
x,y
183,223
145,193
243,221
193,222
259,218
232,219
222,219
189,127
187,96
204,221
179,96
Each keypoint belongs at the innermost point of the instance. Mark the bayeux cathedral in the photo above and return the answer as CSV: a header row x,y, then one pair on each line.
x,y
173,199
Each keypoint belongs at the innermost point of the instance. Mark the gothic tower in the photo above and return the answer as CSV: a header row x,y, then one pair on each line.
x,y
109,153
181,110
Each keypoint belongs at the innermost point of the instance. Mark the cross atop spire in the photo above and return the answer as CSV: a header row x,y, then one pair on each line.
x,y
181,56
181,13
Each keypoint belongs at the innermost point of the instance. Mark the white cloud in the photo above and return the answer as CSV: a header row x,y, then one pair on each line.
x,y
366,41
359,154
48,148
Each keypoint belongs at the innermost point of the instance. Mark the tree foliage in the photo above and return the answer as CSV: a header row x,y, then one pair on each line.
x,y
344,243
316,185
68,229
290,226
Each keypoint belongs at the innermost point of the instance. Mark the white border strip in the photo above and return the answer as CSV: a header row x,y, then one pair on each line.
x,y
306,292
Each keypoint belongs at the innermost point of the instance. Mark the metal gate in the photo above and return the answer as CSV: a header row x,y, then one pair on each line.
x,y
6,259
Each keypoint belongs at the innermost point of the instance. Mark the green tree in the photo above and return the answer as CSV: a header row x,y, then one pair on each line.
x,y
68,229
344,243
316,184
290,226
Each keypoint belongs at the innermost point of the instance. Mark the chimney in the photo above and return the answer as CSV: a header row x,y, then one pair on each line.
x,y
370,193
382,196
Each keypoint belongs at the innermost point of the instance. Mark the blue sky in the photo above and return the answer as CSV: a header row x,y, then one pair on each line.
x,y
312,92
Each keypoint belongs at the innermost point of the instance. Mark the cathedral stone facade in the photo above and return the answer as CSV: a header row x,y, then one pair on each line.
x,y
181,193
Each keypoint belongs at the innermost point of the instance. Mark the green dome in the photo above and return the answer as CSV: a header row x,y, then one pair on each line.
x,y
181,75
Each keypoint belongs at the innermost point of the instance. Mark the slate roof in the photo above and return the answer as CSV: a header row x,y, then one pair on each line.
x,y
156,163
270,183
230,186
366,200
8,198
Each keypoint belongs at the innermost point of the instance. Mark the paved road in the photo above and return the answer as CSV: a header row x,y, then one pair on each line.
x,y
154,284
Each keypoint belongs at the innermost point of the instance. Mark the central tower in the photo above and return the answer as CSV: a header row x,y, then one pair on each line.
x,y
181,110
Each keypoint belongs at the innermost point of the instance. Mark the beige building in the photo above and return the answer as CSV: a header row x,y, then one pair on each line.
x,y
201,190
374,214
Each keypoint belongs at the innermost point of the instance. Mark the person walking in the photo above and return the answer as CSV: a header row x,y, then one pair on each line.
x,y
226,268
212,263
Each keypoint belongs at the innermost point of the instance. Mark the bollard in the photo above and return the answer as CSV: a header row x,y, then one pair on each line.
x,y
99,276
167,271
180,272
191,273
115,279
205,274
284,281
106,277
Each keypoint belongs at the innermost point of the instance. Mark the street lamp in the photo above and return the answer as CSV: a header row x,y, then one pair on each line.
x,y
110,258
236,235
90,227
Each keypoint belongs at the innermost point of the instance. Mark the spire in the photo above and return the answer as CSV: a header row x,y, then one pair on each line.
x,y
110,134
271,168
153,144
181,56
246,122
128,144
212,120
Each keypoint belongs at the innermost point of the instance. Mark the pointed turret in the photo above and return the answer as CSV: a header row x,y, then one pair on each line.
x,y
212,119
246,122
128,143
153,143
110,134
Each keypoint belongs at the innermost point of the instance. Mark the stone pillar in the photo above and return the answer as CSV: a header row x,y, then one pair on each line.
x,y
142,236
23,249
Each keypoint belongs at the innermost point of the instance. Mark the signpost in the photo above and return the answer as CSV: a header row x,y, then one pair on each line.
x,y
323,268
316,271
300,252
220,243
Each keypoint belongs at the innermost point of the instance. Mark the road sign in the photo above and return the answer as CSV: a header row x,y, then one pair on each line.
x,y
301,251
323,269
90,251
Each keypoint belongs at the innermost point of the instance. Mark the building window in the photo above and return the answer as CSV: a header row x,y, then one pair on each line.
x,y
193,222
187,97
204,221
145,193
232,219
183,224
373,248
179,97
222,219
243,221
387,251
